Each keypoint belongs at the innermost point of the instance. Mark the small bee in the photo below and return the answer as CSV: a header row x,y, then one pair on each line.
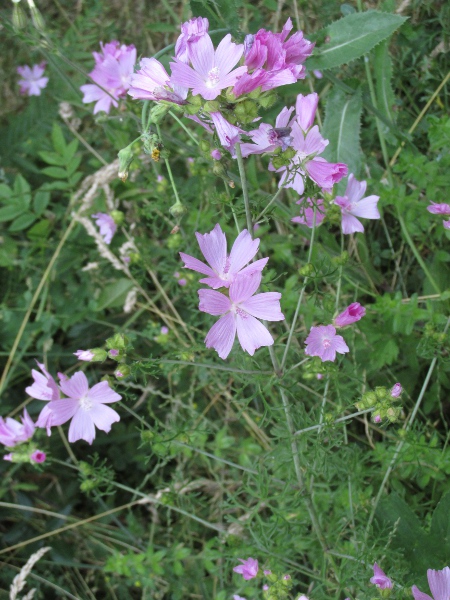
x,y
156,153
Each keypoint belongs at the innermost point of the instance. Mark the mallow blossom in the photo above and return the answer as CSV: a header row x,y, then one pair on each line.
x,y
224,269
240,313
32,81
307,212
113,69
396,390
152,82
12,432
322,341
85,355
267,138
440,209
354,312
248,569
439,582
191,31
380,579
107,226
212,70
353,204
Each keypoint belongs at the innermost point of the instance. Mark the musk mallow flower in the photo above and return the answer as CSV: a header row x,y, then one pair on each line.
x,y
439,582
12,432
396,390
191,31
85,355
38,456
248,569
229,135
224,269
305,110
152,82
322,341
307,212
380,579
440,209
212,70
353,204
113,69
240,313
267,138
107,226
86,407
32,81
44,386
354,312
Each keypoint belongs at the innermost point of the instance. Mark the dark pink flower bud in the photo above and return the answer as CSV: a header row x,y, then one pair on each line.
x,y
38,456
351,314
380,579
396,390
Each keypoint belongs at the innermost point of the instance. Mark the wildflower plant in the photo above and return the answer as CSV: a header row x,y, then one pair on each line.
x,y
224,254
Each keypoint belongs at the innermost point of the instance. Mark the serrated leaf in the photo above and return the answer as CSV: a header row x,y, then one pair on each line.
x,y
52,158
383,77
22,222
55,172
59,143
40,202
342,128
352,37
114,294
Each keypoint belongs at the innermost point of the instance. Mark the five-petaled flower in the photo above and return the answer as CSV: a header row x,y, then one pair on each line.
x,y
439,582
32,81
248,569
12,432
352,205
322,341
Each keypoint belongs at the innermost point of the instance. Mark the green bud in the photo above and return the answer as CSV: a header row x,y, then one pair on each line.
x,y
230,97
219,170
196,100
272,577
117,341
99,354
380,393
255,94
19,18
174,241
246,111
211,106
147,436
307,270
267,99
158,112
118,217
37,18
125,159
191,109
205,146
88,485
116,354
368,400
177,210
341,260
122,371
393,413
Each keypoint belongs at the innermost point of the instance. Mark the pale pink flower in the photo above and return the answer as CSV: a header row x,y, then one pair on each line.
x,y
439,582
267,572
44,386
248,569
182,282
267,138
84,405
307,212
224,269
32,81
191,31
85,355
396,390
212,69
113,69
353,205
38,456
107,226
237,597
446,224
229,135
305,109
239,312
12,432
265,587
216,154
164,330
322,341
439,209
152,82
354,312
8,456
380,579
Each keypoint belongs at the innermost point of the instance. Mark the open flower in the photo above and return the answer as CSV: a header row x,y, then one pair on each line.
x,y
212,69
224,269
107,226
353,205
248,569
12,432
44,386
322,341
380,579
152,82
32,81
354,312
241,312
439,582
84,405
440,209
267,138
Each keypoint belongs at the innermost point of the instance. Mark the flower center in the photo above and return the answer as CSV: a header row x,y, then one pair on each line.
x,y
213,78
85,403
326,344
241,313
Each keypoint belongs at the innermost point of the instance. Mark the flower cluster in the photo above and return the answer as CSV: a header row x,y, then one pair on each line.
x,y
277,586
382,402
241,308
13,434
439,582
32,79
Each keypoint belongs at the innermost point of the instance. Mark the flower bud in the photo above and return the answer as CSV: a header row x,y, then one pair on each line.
x,y
177,210
246,111
115,354
205,146
158,113
19,18
307,270
267,99
396,390
38,456
380,392
125,159
211,106
36,17
117,216
122,371
117,341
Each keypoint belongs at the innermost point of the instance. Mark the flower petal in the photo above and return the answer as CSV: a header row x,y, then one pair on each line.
x,y
75,387
243,250
264,306
101,393
103,417
418,595
244,287
214,248
196,265
439,582
221,335
252,334
213,303
82,427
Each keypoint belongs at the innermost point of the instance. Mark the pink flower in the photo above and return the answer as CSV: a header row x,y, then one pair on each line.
x,y
265,587
32,81
44,386
380,579
84,405
237,597
113,69
350,315
106,225
86,355
182,282
353,205
229,135
216,154
212,69
305,109
248,569
224,269
239,312
267,138
191,31
38,456
164,330
307,212
446,224
12,432
439,209
152,82
396,390
439,582
322,341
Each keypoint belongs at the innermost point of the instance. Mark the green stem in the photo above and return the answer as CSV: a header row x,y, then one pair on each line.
x,y
248,214
169,171
274,199
183,126
340,420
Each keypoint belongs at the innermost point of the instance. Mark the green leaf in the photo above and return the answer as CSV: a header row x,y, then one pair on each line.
x,y
221,13
22,222
39,229
40,202
11,212
59,143
22,190
55,172
440,525
161,27
383,77
52,158
342,127
73,165
5,191
69,152
75,178
351,37
114,294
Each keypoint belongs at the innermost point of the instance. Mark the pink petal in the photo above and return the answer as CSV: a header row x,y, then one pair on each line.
x,y
366,208
355,189
214,248
201,53
351,224
103,417
213,303
221,335
75,387
264,306
305,108
196,265
418,595
185,76
57,412
82,427
253,267
439,582
252,334
244,287
101,393
243,250
215,282
227,55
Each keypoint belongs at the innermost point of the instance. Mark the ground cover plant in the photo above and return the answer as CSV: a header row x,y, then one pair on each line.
x,y
225,292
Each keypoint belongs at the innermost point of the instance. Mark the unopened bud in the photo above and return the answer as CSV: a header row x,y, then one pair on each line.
x,y
267,100
117,216
36,17
246,111
122,371
211,106
125,159
177,210
19,18
205,146
255,93
307,270
380,393
98,354
158,113
396,390
117,341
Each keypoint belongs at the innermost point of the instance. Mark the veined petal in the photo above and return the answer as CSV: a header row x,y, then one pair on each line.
x,y
244,287
82,427
418,595
213,303
350,224
196,265
251,333
355,189
57,412
366,208
254,267
264,306
103,417
101,393
201,53
314,142
243,250
221,335
215,282
185,76
213,246
75,387
439,582
227,55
